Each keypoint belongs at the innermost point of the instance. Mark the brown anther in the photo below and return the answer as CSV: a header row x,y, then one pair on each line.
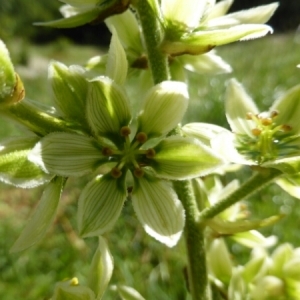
x,y
249,116
107,151
266,121
274,114
141,137
116,173
138,173
286,128
150,153
256,131
125,131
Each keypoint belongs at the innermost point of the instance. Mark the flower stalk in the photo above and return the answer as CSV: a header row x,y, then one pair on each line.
x,y
251,186
194,235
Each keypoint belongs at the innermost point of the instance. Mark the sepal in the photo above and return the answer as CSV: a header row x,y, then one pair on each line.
x,y
100,205
70,89
67,154
158,209
42,217
183,158
108,108
128,293
16,168
164,107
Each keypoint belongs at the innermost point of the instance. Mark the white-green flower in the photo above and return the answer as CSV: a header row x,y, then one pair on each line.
x,y
129,35
195,27
144,152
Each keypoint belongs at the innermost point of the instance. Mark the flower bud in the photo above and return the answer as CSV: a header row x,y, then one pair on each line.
x,y
11,86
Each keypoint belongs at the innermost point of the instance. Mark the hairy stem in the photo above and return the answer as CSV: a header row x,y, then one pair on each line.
x,y
194,235
152,33
251,186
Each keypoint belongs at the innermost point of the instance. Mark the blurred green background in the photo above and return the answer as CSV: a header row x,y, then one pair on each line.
x,y
266,67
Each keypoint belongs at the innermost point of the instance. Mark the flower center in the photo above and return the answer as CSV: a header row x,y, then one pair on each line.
x,y
268,140
131,156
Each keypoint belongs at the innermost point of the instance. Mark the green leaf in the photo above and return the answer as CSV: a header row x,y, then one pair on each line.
x,y
100,205
101,269
67,154
15,168
183,158
158,209
73,21
117,65
42,217
107,108
164,107
70,89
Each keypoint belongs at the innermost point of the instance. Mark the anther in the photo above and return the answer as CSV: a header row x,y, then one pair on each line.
x,y
274,114
138,173
256,131
266,121
249,116
125,131
150,153
107,151
116,173
141,137
286,128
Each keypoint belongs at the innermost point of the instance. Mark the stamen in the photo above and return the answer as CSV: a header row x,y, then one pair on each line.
x,y
141,137
116,173
286,128
125,131
138,173
107,151
150,153
274,114
256,131
266,121
249,116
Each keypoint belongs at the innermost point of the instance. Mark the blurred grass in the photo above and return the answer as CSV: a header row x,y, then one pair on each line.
x,y
266,67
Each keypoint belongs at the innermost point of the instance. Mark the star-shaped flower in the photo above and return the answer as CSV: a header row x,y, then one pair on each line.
x,y
139,155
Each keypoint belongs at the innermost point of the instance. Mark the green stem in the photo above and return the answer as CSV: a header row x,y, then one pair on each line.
x,y
152,33
194,235
251,186
194,239
36,120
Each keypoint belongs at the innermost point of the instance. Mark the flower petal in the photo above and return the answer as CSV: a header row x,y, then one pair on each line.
x,y
158,209
100,205
183,158
42,217
15,168
237,104
208,63
107,108
70,89
257,15
289,165
74,21
203,132
218,10
188,12
117,65
164,107
67,154
288,107
290,184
